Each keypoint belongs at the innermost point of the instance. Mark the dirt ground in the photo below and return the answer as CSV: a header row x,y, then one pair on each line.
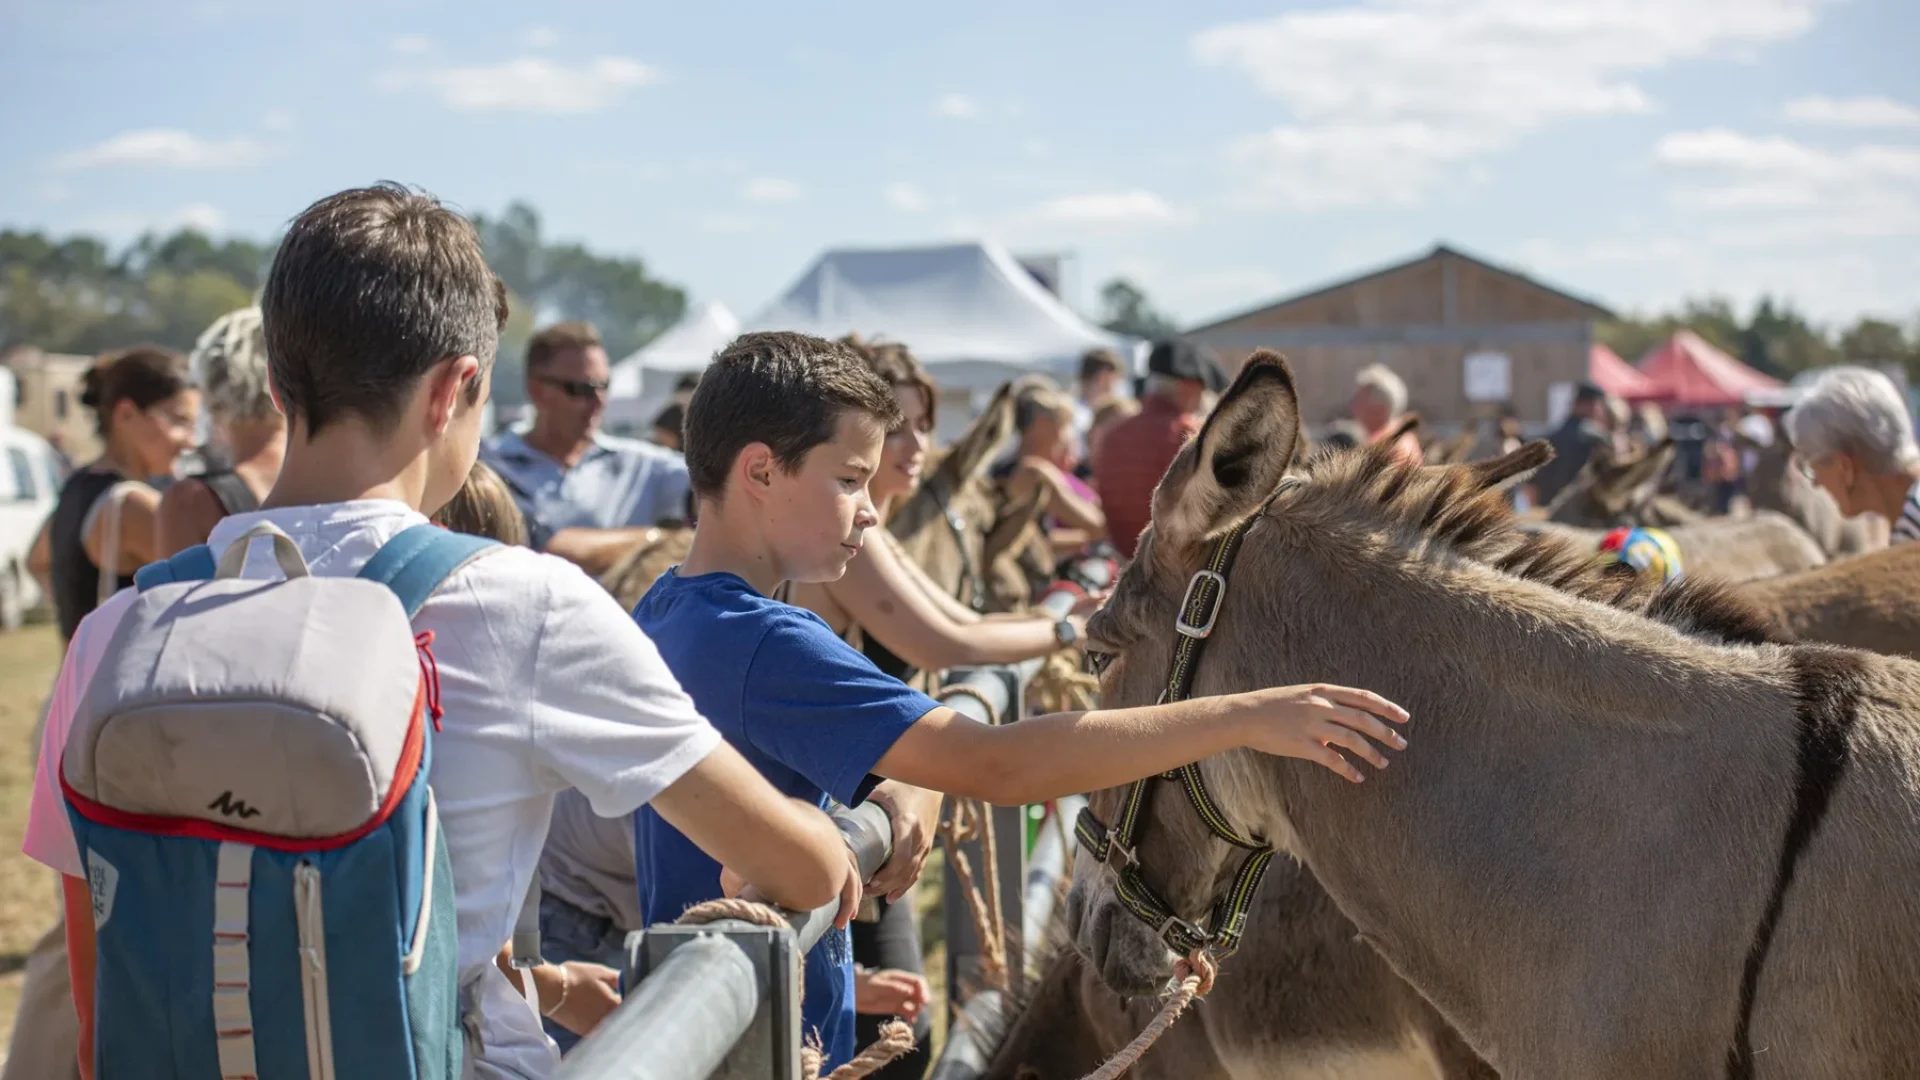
x,y
29,658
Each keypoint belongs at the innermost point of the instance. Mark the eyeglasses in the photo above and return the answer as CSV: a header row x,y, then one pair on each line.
x,y
577,388
1803,466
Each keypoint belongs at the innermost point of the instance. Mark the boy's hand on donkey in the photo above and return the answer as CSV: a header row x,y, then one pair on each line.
x,y
1316,721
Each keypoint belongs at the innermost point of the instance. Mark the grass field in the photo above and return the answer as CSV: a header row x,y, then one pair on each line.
x,y
29,658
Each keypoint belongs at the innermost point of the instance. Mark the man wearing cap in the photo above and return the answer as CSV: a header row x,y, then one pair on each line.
x,y
1584,432
1135,452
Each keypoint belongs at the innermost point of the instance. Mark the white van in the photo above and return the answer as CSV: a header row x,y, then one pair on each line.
x,y
29,486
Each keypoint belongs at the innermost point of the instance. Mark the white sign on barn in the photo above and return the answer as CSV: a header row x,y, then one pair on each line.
x,y
1489,377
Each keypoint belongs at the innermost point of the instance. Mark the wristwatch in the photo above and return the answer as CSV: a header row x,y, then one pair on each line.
x,y
1065,632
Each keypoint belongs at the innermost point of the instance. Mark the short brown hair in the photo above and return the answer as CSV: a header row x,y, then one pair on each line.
x,y
144,374
484,507
1096,362
369,290
784,389
894,363
557,339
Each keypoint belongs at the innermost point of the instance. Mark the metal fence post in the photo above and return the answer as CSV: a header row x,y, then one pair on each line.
x,y
719,1000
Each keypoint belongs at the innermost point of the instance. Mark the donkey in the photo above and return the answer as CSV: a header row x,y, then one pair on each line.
x,y
1866,602
1732,550
1303,1000
1620,850
1611,491
630,578
943,524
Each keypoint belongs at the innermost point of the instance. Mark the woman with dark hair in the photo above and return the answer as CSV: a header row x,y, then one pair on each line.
x,y
106,524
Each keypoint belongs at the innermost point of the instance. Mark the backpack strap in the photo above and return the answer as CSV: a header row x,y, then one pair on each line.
x,y
415,563
193,564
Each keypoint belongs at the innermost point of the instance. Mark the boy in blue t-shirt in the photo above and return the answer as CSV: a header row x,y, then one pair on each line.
x,y
781,438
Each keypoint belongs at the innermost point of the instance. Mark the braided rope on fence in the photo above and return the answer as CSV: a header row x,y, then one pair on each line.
x,y
896,1038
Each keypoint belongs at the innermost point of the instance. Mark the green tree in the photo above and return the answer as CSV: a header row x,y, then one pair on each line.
x,y
555,282
1125,309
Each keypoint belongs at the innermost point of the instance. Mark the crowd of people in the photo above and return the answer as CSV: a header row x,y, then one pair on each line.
x,y
638,763
710,726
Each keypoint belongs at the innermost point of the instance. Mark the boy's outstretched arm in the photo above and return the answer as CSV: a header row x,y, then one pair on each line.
x,y
1068,753
791,851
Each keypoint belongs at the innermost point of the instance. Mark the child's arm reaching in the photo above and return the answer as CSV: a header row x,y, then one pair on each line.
x,y
1065,753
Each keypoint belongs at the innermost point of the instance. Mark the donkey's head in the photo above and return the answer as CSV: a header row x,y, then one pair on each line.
x,y
1327,576
1615,491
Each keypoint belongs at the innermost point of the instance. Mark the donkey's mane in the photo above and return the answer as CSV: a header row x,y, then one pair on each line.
x,y
1450,509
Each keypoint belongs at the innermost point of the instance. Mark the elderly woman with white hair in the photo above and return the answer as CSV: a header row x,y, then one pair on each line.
x,y
1853,435
230,364
1379,401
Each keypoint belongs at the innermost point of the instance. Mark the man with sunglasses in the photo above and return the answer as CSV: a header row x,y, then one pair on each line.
x,y
587,497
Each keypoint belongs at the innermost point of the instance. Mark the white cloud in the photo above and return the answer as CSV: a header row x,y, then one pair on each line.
x,y
529,84
769,189
279,121
904,197
957,107
1726,170
1036,148
542,37
167,148
1860,112
411,45
1108,209
1389,97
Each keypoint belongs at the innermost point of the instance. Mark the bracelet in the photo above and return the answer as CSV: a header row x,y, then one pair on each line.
x,y
566,987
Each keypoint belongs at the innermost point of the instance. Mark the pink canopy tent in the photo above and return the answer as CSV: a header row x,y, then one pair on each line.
x,y
1687,371
1606,370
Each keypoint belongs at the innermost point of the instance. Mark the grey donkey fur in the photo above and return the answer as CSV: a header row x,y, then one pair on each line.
x,y
1614,849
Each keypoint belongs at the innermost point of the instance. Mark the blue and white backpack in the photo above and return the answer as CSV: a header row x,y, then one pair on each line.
x,y
247,781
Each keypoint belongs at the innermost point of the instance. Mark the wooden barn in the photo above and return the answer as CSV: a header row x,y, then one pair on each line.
x,y
1468,337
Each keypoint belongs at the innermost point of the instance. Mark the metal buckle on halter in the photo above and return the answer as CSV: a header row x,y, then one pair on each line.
x,y
1180,622
1192,932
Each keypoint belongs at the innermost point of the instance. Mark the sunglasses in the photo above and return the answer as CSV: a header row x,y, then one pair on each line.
x,y
577,388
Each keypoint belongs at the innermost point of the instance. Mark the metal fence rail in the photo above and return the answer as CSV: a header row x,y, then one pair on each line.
x,y
720,1000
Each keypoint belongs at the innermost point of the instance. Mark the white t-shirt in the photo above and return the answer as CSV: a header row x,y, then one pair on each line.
x,y
546,684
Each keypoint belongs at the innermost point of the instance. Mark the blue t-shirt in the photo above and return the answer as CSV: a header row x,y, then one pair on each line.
x,y
808,710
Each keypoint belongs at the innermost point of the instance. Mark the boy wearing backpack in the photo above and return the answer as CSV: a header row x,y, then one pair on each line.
x,y
781,437
382,321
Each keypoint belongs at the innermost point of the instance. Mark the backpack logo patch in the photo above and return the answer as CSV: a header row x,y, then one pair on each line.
x,y
103,881
233,807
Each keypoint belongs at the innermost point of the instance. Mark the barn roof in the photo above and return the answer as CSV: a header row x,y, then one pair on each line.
x,y
1596,310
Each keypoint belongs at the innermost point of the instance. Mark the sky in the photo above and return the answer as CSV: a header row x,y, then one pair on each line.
x,y
1220,154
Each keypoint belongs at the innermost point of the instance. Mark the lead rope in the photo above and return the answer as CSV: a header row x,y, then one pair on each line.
x,y
896,1038
1196,974
970,819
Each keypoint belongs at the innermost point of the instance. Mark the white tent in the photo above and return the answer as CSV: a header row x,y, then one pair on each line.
x,y
969,311
643,382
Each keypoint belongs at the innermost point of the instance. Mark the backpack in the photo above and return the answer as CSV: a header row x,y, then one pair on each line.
x,y
247,779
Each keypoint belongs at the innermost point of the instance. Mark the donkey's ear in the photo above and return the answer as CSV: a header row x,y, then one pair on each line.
x,y
1239,457
1510,468
1640,479
974,449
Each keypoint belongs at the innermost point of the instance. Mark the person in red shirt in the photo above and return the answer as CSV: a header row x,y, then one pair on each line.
x,y
1135,453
